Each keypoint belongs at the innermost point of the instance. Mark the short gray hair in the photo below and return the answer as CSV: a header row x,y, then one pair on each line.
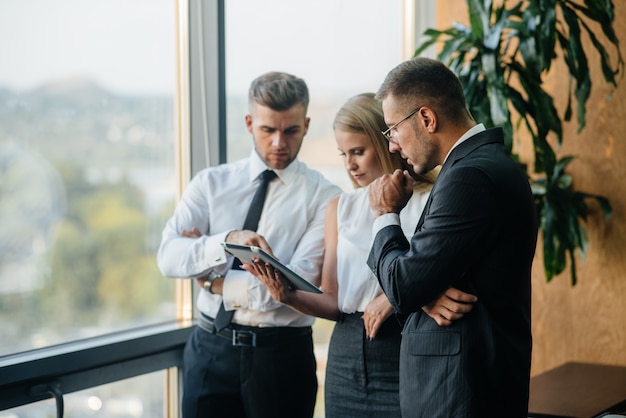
x,y
279,91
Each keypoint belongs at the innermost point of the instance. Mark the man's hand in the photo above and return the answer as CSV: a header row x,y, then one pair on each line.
x,y
193,233
243,237
450,306
216,287
390,192
246,237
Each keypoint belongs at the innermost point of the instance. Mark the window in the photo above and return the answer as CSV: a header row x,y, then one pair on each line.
x,y
87,167
340,48
87,178
91,160
138,397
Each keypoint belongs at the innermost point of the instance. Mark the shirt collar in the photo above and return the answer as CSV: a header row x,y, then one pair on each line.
x,y
257,166
468,134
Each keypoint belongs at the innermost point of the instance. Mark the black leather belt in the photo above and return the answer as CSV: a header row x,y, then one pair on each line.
x,y
246,336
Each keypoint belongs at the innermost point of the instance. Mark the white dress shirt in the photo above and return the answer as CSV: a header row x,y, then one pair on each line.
x,y
216,202
357,286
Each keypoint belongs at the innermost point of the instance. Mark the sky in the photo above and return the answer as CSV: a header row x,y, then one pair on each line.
x,y
43,39
332,44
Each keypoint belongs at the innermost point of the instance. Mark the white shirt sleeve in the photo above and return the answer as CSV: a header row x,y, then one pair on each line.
x,y
181,257
216,202
383,221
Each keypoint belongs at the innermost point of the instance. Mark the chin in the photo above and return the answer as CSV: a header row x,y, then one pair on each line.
x,y
420,169
278,164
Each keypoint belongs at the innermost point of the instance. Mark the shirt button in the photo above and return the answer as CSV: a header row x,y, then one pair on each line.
x,y
217,259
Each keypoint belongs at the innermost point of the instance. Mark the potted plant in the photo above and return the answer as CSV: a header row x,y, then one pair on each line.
x,y
502,58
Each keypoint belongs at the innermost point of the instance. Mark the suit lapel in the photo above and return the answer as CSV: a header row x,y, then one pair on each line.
x,y
426,209
458,153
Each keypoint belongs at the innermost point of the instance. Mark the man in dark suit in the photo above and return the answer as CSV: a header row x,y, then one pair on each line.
x,y
478,232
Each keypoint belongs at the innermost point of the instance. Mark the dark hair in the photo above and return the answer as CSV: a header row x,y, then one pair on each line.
x,y
278,91
426,82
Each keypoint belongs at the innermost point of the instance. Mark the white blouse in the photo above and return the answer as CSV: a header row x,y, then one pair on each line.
x,y
357,285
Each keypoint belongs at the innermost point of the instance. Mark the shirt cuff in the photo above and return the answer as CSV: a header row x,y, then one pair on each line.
x,y
383,221
214,253
235,290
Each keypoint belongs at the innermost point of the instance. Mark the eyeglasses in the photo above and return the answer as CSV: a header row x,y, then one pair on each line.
x,y
393,127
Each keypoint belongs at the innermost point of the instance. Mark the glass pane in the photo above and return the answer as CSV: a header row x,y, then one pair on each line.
x,y
340,48
132,398
87,170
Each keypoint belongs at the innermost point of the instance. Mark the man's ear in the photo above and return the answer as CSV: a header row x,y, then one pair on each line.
x,y
249,123
428,118
307,120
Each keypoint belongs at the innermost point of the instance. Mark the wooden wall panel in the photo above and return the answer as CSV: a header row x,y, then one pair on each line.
x,y
586,322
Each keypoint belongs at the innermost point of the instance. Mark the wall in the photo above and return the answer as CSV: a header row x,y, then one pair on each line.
x,y
587,322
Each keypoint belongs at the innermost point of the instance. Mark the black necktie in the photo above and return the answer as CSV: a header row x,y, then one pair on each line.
x,y
224,317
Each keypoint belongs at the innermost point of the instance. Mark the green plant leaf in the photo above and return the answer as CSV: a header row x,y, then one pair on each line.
x,y
507,44
605,60
576,60
546,33
479,17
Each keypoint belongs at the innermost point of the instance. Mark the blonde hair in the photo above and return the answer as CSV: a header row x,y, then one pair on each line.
x,y
364,114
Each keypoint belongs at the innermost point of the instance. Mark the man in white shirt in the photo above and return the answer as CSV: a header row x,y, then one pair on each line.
x,y
262,363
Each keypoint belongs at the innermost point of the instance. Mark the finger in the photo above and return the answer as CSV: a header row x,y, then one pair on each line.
x,y
398,177
270,274
407,180
366,324
261,242
250,268
281,279
373,189
442,321
453,316
262,268
375,326
460,296
456,307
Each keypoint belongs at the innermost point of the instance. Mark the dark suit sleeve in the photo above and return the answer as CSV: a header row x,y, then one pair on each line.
x,y
458,228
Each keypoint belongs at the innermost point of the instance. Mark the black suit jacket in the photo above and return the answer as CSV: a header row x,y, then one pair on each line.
x,y
478,233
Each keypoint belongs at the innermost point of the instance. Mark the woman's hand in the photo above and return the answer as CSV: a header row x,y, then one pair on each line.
x,y
376,312
273,280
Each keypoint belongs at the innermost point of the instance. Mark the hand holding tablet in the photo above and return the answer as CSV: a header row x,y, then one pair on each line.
x,y
248,252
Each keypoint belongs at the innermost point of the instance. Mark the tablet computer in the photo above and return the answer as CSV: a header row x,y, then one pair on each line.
x,y
247,252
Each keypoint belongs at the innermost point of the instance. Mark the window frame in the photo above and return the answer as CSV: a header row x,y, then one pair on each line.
x,y
91,362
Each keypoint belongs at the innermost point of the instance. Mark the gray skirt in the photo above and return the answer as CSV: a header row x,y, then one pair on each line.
x,y
362,376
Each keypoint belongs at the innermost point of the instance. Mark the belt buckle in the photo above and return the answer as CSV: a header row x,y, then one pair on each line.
x,y
239,336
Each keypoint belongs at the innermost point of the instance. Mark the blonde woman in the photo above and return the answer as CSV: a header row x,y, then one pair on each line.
x,y
362,369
